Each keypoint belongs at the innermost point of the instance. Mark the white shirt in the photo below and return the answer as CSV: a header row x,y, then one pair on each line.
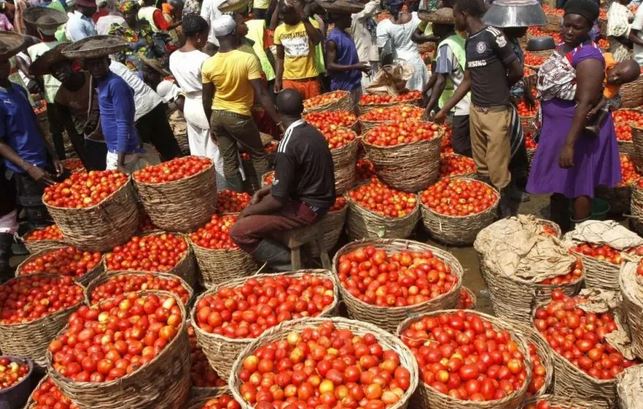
x,y
186,68
210,11
79,27
145,98
105,23
364,41
637,24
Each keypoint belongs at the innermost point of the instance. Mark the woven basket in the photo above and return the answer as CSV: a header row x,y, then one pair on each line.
x,y
367,108
409,167
636,203
31,404
220,350
427,397
599,274
553,23
632,305
545,53
103,279
165,379
102,226
542,349
530,155
217,266
388,318
632,94
36,246
637,156
368,125
563,402
626,148
199,399
90,276
344,160
31,339
331,226
472,295
364,224
515,299
458,230
181,205
345,103
553,225
386,340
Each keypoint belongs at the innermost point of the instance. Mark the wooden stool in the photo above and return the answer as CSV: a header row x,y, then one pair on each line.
x,y
297,238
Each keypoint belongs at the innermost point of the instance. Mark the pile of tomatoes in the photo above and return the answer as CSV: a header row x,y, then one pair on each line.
x,y
463,355
534,60
373,99
268,178
445,144
46,233
11,372
530,142
601,252
127,283
323,366
456,165
579,336
156,252
525,110
538,371
29,298
221,402
84,189
465,301
543,404
324,99
48,396
629,173
397,279
383,200
229,201
66,261
364,169
535,31
624,119
216,233
331,120
114,338
459,197
402,132
175,169
73,165
202,374
261,303
336,137
393,114
340,203
573,276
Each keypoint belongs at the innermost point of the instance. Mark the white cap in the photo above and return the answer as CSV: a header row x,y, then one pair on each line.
x,y
223,25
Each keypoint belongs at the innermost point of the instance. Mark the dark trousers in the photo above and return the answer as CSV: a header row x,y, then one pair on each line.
x,y
154,128
461,139
249,231
95,155
7,193
56,130
29,199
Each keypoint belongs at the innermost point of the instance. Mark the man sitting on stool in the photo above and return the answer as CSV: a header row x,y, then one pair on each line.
x,y
302,192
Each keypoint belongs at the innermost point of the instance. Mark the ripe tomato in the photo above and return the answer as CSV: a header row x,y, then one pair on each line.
x,y
382,199
459,197
46,233
47,396
124,283
375,99
84,189
454,165
324,99
155,252
403,131
229,201
11,372
66,261
216,233
175,169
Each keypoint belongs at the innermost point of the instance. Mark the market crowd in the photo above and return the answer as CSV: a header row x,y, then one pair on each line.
x,y
110,74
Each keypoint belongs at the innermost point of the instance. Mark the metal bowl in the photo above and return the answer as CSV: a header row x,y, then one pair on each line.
x,y
541,44
515,13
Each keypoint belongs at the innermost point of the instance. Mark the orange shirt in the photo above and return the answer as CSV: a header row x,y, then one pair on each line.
x,y
610,91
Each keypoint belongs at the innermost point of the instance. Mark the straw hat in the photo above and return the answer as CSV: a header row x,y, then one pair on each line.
x,y
340,6
442,15
47,20
11,43
43,64
95,46
233,6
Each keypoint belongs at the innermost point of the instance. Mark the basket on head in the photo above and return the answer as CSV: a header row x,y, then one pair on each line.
x,y
330,101
85,279
217,266
221,350
344,159
599,273
410,167
544,53
95,46
631,286
331,226
180,205
36,246
166,378
427,397
280,332
632,94
458,230
388,318
553,23
31,339
100,227
528,123
362,223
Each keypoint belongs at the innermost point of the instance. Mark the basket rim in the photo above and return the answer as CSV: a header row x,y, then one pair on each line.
x,y
24,360
487,210
237,282
37,254
345,147
197,402
629,269
387,104
394,106
391,242
412,213
322,107
97,205
436,137
172,182
153,233
201,248
24,236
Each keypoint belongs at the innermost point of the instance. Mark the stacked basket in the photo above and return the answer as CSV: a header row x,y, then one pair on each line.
x,y
631,285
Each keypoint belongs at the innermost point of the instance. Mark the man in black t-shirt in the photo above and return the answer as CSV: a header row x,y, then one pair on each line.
x,y
303,189
492,68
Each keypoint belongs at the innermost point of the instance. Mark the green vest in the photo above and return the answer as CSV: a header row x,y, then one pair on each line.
x,y
456,43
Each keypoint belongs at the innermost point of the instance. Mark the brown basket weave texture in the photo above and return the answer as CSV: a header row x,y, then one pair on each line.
x,y
386,340
564,402
515,299
199,399
345,103
409,167
367,108
181,205
626,147
364,224
599,274
458,230
388,318
220,350
367,125
163,381
637,140
331,226
632,94
217,266
31,339
344,160
100,227
542,349
636,203
632,305
427,397
90,276
553,23
36,246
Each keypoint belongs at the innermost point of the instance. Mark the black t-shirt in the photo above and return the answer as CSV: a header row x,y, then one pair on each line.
x,y
489,54
304,168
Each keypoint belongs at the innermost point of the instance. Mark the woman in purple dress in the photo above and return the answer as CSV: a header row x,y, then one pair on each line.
x,y
571,162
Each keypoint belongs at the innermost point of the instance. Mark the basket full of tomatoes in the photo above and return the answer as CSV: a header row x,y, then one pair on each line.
x,y
406,153
180,194
632,93
32,311
637,138
559,402
602,264
222,399
205,380
329,101
16,381
122,282
620,196
149,364
47,395
218,257
379,211
335,362
83,266
453,164
383,282
395,113
631,285
368,102
541,360
636,201
254,304
448,343
43,238
454,210
625,122
94,210
343,144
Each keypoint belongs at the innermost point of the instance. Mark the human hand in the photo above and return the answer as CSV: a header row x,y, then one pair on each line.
x,y
566,159
58,166
278,86
440,117
40,175
363,67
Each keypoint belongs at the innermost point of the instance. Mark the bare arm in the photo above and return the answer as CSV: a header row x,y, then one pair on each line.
x,y
438,89
279,74
36,173
459,93
207,96
634,36
419,37
515,72
314,35
331,60
274,19
261,94
267,205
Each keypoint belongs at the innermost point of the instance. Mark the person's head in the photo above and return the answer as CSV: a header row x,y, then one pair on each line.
x,y
242,28
578,21
624,72
98,67
129,10
289,103
225,29
177,8
465,11
195,29
287,12
341,20
515,32
443,30
62,71
86,9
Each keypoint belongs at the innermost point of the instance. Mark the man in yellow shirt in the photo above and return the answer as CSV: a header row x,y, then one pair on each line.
x,y
231,81
296,39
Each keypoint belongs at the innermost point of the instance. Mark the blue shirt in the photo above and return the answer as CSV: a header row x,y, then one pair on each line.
x,y
346,54
79,26
116,105
19,128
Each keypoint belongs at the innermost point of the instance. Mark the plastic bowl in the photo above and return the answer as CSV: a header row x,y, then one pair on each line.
x,y
15,397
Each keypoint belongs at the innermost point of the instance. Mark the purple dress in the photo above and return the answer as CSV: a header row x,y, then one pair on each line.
x,y
596,159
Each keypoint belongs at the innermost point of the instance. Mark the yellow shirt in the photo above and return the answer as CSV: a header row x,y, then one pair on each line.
x,y
299,54
231,73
